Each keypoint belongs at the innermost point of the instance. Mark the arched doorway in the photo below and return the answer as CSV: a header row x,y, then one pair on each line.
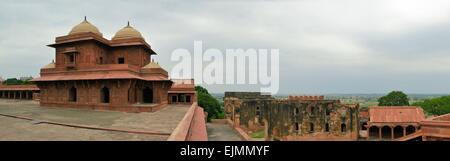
x,y
73,94
104,92
311,127
386,132
174,99
147,95
343,128
410,129
130,96
398,131
374,132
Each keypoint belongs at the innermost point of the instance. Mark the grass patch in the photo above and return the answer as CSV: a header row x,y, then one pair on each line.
x,y
258,134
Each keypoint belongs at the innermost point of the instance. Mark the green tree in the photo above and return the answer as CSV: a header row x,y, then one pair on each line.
x,y
209,103
435,106
394,98
15,81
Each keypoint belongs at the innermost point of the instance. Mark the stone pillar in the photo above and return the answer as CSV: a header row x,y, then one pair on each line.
x,y
379,133
404,131
368,133
392,132
15,93
20,94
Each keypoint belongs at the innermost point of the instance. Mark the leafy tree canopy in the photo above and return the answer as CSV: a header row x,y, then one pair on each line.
x,y
435,106
209,103
394,98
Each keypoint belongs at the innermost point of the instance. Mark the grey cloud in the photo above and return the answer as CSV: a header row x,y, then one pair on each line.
x,y
317,39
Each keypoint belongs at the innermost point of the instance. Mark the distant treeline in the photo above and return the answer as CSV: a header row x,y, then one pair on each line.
x,y
15,81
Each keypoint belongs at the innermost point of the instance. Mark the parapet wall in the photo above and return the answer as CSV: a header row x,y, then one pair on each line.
x,y
192,127
247,95
306,98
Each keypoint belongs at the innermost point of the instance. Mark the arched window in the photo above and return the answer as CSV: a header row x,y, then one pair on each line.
x,y
104,93
73,94
327,127
258,111
296,111
311,127
147,95
296,126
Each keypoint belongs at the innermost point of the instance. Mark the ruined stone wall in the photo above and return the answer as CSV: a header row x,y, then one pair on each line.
x,y
294,119
247,95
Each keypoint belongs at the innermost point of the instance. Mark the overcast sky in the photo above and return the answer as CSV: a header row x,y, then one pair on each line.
x,y
346,46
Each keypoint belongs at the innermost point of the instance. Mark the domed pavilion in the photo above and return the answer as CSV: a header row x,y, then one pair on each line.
x,y
93,72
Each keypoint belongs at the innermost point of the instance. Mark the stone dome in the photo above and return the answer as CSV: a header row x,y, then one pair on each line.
x,y
48,66
126,33
85,27
151,65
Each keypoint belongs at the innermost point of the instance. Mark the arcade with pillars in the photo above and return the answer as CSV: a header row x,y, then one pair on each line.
x,y
24,92
16,94
389,131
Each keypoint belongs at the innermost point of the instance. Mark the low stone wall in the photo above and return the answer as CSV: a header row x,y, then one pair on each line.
x,y
198,126
192,127
107,107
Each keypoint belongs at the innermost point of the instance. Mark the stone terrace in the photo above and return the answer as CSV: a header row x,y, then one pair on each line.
x,y
161,123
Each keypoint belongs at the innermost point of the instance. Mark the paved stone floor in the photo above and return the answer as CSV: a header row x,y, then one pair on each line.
x,y
164,120
221,132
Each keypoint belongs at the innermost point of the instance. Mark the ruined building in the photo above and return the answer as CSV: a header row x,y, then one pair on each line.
x,y
294,118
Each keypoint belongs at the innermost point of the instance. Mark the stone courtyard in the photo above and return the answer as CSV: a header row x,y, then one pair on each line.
x,y
91,125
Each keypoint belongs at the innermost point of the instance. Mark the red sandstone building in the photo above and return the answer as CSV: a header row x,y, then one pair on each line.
x,y
392,122
118,74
